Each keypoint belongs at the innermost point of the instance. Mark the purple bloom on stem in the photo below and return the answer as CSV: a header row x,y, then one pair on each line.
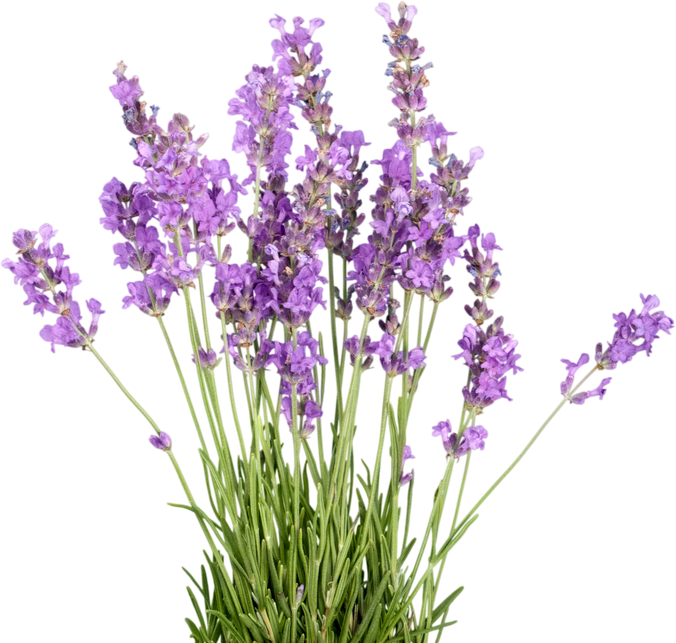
x,y
420,275
475,154
407,455
309,411
572,368
161,441
416,358
475,436
207,359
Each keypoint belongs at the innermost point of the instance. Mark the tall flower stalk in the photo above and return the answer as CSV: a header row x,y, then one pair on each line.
x,y
312,549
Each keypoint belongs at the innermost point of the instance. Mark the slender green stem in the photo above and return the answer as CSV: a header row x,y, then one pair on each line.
x,y
376,469
334,339
231,392
420,318
419,372
338,456
183,384
296,498
200,375
523,453
184,483
130,397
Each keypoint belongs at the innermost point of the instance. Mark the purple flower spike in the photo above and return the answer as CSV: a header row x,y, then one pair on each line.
x,y
161,441
572,368
207,359
599,391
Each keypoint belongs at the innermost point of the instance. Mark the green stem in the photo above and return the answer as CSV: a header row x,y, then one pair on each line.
x,y
419,372
345,438
183,384
231,392
184,483
296,499
523,453
200,375
334,340
376,470
130,397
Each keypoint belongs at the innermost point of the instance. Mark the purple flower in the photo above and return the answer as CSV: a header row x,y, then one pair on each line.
x,y
61,332
395,161
416,358
161,441
420,275
360,263
475,154
572,368
473,438
407,455
311,413
207,359
126,92
448,438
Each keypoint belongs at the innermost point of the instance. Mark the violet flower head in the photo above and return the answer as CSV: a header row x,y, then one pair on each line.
x,y
404,479
473,438
207,359
161,441
448,438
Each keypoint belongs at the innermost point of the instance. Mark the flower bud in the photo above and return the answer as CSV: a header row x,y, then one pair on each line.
x,y
161,441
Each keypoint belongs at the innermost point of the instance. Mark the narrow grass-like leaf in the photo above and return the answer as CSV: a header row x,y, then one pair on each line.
x,y
375,625
194,631
256,629
273,616
444,605
375,603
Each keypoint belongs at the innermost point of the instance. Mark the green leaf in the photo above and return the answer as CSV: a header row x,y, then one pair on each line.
x,y
196,606
312,465
375,603
195,633
374,628
286,636
445,604
345,551
386,562
218,482
225,621
280,599
273,617
415,633
256,629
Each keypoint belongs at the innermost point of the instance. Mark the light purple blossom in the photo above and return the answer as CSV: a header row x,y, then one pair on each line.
x,y
473,438
404,479
161,441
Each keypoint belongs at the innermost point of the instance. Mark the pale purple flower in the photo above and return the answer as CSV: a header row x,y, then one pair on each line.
x,y
475,154
444,430
473,438
207,359
161,441
420,275
61,332
416,359
404,479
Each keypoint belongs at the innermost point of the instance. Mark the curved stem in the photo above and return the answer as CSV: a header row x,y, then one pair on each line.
x,y
130,397
183,384
184,483
523,453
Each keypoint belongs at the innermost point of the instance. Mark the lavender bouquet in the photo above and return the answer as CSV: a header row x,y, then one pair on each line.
x,y
306,537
